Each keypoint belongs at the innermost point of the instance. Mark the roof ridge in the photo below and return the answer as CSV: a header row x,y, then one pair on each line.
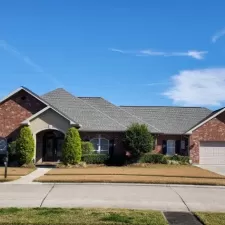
x,y
119,108
95,108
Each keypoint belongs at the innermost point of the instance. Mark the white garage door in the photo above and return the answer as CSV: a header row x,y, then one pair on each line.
x,y
212,153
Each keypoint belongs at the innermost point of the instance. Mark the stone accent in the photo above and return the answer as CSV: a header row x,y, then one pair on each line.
x,y
213,130
15,110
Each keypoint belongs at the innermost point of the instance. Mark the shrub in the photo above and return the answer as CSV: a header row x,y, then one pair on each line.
x,y
87,147
138,139
25,146
179,158
153,158
71,150
95,158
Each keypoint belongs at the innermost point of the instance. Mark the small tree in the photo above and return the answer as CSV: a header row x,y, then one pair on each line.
x,y
71,151
25,146
138,139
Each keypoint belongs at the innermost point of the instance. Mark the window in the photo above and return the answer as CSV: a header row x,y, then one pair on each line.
x,y
101,145
170,147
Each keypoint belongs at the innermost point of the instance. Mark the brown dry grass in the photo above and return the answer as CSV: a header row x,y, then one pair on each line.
x,y
154,170
163,174
14,173
130,179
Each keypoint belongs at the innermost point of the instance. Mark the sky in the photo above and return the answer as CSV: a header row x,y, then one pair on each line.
x,y
139,52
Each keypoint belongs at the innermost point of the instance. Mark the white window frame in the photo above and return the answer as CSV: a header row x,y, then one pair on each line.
x,y
170,144
99,150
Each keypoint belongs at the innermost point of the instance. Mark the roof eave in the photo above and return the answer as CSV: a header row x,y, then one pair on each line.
x,y
205,121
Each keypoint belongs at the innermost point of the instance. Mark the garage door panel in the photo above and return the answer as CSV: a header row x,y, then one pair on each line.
x,y
212,153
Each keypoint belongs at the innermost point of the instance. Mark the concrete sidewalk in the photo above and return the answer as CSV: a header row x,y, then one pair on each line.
x,y
28,179
163,198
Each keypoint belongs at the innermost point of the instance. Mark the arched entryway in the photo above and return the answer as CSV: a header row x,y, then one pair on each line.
x,y
49,146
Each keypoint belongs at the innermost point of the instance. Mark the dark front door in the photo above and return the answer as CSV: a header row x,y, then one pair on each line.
x,y
52,149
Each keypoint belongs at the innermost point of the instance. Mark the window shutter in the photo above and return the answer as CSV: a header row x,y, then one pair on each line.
x,y
177,147
111,147
186,147
164,147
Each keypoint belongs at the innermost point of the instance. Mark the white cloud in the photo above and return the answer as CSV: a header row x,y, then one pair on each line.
x,y
14,52
198,87
148,52
218,35
117,50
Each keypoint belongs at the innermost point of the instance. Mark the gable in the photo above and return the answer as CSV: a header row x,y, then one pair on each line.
x,y
15,109
213,130
49,119
216,115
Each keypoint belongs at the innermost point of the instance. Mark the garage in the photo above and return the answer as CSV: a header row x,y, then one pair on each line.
x,y
212,153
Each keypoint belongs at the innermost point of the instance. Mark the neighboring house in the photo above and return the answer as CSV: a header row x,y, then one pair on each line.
x,y
194,131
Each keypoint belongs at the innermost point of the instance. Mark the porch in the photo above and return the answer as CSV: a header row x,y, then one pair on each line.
x,y
49,147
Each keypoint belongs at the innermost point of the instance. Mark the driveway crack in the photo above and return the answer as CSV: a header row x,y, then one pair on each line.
x,y
47,194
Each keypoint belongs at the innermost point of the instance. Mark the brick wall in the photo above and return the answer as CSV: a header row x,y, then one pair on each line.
x,y
15,110
116,136
161,138
213,130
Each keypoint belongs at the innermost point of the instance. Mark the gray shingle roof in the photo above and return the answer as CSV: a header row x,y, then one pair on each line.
x,y
170,120
119,114
81,112
97,114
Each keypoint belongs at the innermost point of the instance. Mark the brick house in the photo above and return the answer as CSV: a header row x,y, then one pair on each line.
x,y
194,131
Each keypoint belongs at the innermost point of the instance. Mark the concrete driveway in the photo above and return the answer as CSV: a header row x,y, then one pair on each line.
x,y
220,169
134,196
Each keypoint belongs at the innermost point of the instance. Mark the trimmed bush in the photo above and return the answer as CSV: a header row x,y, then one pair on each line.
x,y
71,150
138,140
25,146
95,158
153,158
87,147
179,158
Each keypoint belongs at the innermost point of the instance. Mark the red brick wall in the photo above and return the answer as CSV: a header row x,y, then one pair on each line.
x,y
15,110
116,136
213,130
161,138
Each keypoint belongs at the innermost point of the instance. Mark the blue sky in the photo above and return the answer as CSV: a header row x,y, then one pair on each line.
x,y
130,52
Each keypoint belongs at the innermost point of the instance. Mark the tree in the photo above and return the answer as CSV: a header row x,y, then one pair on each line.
x,y
138,139
71,150
25,146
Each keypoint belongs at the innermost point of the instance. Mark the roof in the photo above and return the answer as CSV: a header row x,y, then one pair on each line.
x,y
90,117
48,105
205,120
169,119
98,114
119,114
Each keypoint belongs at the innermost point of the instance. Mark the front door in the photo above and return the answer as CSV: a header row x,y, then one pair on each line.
x,y
52,149
49,149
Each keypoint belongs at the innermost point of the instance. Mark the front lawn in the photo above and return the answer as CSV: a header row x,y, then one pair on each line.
x,y
54,216
14,173
211,218
168,174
